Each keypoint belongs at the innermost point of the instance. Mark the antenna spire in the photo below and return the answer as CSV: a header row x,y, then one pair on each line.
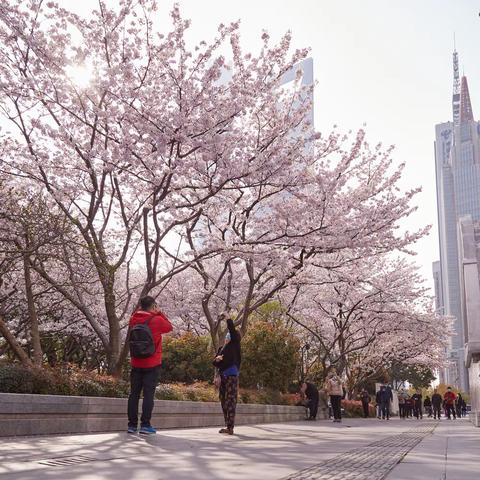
x,y
456,87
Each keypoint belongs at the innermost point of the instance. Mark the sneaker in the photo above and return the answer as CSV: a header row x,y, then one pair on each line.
x,y
226,431
148,430
132,430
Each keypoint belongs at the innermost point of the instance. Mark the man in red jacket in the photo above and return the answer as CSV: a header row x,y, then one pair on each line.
x,y
145,371
449,399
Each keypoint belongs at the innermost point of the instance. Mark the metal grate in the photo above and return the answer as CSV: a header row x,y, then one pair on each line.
x,y
66,461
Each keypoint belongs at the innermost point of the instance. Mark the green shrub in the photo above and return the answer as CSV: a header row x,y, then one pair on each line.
x,y
353,408
15,378
187,359
270,356
244,397
167,392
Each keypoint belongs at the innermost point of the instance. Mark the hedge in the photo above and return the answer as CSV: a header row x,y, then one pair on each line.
x,y
15,378
353,408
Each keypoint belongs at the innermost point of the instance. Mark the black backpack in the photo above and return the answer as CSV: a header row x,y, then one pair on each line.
x,y
140,340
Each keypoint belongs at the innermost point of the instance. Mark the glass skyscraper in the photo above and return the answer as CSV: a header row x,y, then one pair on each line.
x,y
457,166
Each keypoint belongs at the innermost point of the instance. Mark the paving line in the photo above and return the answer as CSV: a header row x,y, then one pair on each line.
x,y
371,462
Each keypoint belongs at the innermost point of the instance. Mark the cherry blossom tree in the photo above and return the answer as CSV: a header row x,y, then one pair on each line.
x,y
30,306
133,158
343,199
177,164
364,316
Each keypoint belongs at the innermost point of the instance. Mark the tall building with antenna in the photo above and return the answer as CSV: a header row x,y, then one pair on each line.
x,y
457,167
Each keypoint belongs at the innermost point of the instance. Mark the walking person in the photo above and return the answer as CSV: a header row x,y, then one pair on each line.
x,y
402,397
458,405
409,407
227,361
449,399
385,398
310,392
427,403
146,327
377,404
365,399
334,389
417,404
436,404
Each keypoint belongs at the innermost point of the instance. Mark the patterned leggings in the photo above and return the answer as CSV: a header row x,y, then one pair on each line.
x,y
228,398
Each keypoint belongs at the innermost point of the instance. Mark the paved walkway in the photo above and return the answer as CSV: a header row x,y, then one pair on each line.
x,y
354,450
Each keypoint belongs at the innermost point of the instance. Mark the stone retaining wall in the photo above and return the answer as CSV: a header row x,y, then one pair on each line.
x,y
54,414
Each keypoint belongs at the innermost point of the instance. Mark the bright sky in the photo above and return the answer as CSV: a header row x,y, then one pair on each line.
x,y
381,62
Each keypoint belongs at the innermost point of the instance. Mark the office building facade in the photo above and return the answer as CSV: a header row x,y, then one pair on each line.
x,y
457,167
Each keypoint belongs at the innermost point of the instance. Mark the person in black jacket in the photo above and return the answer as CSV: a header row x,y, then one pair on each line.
x,y
417,405
228,360
385,397
427,404
365,398
436,404
310,392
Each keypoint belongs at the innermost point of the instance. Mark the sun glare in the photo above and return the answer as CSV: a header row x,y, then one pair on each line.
x,y
80,75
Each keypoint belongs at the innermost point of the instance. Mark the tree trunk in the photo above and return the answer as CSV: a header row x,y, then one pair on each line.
x,y
118,368
114,346
14,345
32,314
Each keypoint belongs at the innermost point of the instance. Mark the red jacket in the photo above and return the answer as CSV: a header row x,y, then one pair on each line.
x,y
449,397
158,324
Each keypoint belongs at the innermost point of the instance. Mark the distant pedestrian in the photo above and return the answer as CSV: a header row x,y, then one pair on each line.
x,y
334,389
377,404
310,393
402,397
417,404
436,404
458,405
146,327
228,360
385,398
449,398
365,399
409,407
427,404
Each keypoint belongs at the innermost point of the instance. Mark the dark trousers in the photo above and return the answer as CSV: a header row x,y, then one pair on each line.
x,y
450,409
336,401
401,410
436,411
228,398
385,409
145,379
312,405
365,409
417,411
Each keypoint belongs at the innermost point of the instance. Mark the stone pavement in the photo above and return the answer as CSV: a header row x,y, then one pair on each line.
x,y
371,462
451,453
356,449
